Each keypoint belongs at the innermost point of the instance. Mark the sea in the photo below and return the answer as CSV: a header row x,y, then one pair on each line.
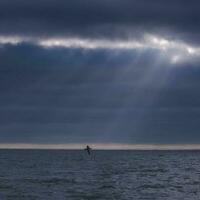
x,y
104,175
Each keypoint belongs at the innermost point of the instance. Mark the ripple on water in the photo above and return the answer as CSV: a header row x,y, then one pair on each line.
x,y
112,175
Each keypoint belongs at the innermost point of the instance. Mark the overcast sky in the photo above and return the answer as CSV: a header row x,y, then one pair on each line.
x,y
109,71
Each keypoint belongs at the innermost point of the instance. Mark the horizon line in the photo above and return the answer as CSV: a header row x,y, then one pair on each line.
x,y
100,146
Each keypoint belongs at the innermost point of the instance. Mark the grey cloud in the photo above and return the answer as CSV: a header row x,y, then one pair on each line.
x,y
61,95
92,19
73,95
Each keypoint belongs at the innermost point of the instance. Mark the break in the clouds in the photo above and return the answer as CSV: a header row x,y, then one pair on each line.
x,y
99,71
175,51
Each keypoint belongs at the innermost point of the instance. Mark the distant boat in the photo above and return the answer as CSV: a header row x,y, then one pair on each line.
x,y
88,149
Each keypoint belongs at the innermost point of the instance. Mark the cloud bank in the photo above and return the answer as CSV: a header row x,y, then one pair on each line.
x,y
99,71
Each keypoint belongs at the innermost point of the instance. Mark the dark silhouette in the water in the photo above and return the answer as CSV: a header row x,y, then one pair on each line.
x,y
88,149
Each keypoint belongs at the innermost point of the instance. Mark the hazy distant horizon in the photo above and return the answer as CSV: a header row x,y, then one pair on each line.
x,y
101,146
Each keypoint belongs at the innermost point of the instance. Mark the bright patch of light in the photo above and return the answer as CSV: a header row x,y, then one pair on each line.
x,y
157,42
175,59
10,40
191,50
175,51
90,44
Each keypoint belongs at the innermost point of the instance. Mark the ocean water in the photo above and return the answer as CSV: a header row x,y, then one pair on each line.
x,y
73,175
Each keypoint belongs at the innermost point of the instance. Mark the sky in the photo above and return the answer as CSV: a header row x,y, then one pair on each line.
x,y
106,71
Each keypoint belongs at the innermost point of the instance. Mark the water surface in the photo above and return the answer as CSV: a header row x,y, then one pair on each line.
x,y
73,175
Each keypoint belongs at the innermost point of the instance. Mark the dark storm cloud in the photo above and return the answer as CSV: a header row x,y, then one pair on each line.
x,y
99,92
107,19
72,95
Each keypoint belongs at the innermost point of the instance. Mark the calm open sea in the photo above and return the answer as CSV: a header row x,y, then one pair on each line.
x,y
71,175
